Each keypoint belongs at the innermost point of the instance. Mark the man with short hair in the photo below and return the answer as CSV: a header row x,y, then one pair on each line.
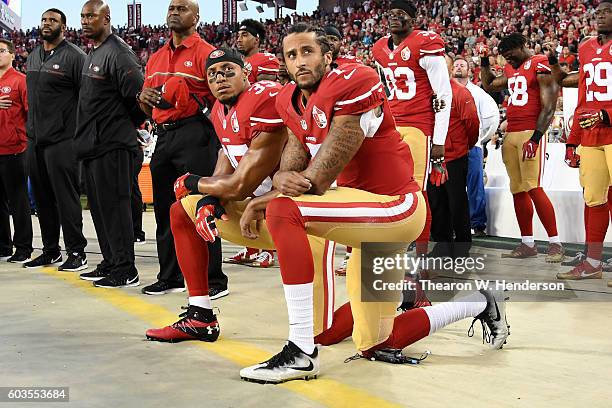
x,y
488,114
53,76
13,173
531,106
336,38
186,140
106,140
262,66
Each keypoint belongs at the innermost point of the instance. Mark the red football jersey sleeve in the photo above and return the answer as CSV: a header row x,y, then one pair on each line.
x,y
408,85
262,63
354,89
347,59
594,90
524,104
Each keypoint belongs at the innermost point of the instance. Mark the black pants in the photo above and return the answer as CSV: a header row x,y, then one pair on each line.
x,y
55,181
137,197
14,198
450,212
109,189
191,148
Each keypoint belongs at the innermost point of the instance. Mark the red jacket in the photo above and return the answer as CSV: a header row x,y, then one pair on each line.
x,y
464,125
12,120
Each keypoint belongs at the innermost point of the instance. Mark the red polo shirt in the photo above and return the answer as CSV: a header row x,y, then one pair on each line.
x,y
188,61
464,125
12,120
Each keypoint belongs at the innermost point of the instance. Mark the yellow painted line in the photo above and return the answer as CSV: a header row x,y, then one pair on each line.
x,y
325,391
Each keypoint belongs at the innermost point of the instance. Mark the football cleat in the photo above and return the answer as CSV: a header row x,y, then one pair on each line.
x,y
196,323
290,364
495,328
582,271
576,260
556,253
522,251
244,256
264,259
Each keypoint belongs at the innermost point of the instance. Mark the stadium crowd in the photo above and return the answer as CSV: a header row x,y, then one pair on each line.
x,y
462,24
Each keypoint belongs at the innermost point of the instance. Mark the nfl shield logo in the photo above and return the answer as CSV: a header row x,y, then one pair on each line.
x,y
234,122
405,54
319,117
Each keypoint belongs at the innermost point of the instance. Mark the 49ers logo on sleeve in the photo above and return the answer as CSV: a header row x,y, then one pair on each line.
x,y
528,64
319,117
6,89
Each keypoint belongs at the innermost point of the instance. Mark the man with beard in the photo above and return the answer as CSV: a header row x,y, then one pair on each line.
x,y
53,79
186,140
262,65
333,34
106,140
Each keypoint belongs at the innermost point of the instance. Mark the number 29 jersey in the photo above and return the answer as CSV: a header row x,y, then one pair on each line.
x,y
594,91
411,94
524,104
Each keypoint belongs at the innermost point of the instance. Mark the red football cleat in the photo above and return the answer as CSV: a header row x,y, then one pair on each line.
x,y
197,323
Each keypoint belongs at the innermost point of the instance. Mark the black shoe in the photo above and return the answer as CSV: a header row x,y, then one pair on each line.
x,y
163,287
216,293
119,280
44,259
19,258
101,271
577,259
77,261
5,254
140,241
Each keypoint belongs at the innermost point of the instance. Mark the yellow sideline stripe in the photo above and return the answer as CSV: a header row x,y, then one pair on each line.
x,y
325,391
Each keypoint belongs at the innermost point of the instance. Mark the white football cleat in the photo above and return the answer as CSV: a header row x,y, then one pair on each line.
x,y
290,364
495,328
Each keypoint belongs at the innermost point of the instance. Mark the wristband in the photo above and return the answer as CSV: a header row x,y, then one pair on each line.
x,y
537,135
191,182
605,118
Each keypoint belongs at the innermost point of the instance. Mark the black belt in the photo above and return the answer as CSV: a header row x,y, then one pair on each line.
x,y
176,124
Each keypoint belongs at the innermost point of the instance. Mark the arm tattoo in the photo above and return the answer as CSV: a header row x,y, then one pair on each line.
x,y
295,157
340,146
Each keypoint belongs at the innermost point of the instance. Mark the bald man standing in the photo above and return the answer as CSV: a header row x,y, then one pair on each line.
x,y
106,140
175,94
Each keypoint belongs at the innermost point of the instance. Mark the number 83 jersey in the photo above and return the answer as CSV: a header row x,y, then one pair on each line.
x,y
410,92
524,104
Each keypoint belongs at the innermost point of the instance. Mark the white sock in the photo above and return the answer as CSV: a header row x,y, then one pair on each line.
x,y
443,314
528,240
554,240
300,310
200,301
594,262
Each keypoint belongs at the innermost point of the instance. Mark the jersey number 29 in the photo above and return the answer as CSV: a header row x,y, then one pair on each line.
x,y
598,77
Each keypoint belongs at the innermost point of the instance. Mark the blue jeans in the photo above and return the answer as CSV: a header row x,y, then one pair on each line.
x,y
475,189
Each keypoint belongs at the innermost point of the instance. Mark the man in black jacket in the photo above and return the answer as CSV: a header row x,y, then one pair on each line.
x,y
106,141
53,79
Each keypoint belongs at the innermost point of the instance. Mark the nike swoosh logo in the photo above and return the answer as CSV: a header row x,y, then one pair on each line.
x,y
350,75
307,368
56,259
133,280
586,275
273,94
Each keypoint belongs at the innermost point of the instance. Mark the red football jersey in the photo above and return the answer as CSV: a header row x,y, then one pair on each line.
x,y
383,164
254,112
524,104
13,138
594,91
347,59
408,84
261,63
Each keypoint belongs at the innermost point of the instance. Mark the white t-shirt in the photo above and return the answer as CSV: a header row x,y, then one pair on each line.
x,y
488,112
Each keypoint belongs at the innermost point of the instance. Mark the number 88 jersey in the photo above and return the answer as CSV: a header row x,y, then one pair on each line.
x,y
594,90
524,104
410,92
